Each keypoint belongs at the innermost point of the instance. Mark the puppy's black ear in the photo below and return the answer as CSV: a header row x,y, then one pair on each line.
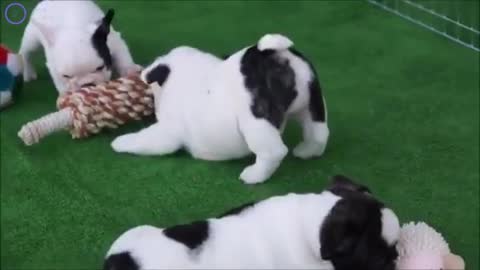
x,y
109,16
342,182
99,38
104,26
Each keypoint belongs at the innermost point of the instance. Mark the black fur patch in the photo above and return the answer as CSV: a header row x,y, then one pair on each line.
x,y
120,261
191,235
271,82
351,236
99,39
237,210
158,74
317,104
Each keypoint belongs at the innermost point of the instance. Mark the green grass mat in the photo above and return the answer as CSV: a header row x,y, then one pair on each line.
x,y
403,110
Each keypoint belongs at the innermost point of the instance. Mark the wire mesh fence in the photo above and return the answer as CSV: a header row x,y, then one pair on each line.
x,y
457,20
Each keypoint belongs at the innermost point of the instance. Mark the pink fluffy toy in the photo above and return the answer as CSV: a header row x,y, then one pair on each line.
x,y
421,247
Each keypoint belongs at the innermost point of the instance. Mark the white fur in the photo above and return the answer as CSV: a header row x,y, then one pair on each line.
x,y
275,42
63,29
278,233
204,107
390,226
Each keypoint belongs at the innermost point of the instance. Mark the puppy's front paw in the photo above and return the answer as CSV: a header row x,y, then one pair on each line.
x,y
253,175
123,144
308,150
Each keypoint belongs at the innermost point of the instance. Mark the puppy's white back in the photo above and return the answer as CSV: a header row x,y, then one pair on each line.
x,y
276,233
280,232
196,106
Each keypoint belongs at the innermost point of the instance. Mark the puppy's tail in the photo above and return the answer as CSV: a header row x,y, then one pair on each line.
x,y
274,42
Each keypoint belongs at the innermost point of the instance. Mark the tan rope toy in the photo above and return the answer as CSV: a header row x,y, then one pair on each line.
x,y
87,111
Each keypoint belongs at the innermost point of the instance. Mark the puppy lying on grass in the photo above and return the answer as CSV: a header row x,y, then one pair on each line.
x,y
225,109
341,228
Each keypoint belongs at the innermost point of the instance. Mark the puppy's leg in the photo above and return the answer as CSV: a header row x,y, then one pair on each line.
x,y
30,43
121,54
265,141
153,140
315,131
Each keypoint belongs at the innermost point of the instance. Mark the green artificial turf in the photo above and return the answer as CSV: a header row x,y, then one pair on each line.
x,y
404,117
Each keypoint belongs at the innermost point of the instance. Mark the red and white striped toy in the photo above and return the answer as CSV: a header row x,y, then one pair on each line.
x,y
90,109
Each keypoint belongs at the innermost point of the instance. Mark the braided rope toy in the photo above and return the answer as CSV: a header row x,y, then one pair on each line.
x,y
87,111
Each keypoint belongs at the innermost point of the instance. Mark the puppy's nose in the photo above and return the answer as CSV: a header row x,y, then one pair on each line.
x,y
88,85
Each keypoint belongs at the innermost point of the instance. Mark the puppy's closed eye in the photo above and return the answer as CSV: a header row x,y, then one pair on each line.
x,y
100,68
67,76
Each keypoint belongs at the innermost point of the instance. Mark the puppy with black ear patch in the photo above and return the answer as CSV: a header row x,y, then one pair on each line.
x,y
226,109
341,228
81,47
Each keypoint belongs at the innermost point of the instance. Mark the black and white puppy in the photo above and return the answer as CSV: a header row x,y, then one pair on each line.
x,y
341,228
225,109
80,46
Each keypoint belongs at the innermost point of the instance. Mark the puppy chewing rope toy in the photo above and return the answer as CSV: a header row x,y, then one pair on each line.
x,y
87,111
